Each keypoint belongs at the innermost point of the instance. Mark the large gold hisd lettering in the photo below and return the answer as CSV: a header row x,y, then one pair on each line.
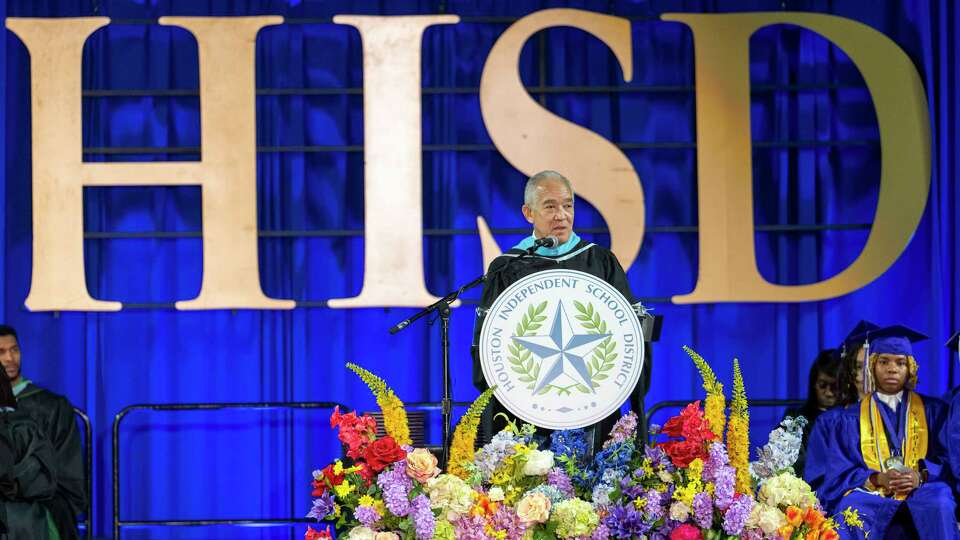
x,y
530,137
533,139
226,171
728,268
393,178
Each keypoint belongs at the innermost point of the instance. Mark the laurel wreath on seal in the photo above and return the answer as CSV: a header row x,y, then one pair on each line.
x,y
528,369
606,352
521,360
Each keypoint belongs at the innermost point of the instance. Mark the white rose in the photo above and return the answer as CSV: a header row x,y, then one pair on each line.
x,y
495,494
768,518
534,508
361,533
679,511
387,536
539,462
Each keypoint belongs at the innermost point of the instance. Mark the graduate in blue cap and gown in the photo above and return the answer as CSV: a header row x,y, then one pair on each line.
x,y
883,456
849,379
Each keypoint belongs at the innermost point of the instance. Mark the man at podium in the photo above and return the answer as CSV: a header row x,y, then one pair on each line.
x,y
548,205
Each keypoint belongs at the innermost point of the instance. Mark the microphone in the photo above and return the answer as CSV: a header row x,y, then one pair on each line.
x,y
547,242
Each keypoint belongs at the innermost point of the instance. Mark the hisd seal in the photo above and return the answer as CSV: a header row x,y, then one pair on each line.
x,y
564,348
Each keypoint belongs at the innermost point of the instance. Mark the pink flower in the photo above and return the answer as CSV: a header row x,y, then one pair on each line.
x,y
686,532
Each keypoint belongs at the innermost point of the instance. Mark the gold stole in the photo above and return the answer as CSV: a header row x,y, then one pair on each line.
x,y
873,440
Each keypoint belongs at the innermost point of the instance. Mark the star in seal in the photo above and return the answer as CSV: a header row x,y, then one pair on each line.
x,y
561,351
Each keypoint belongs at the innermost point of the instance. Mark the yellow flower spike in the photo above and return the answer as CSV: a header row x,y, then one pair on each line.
x,y
465,435
394,414
738,433
715,402
336,510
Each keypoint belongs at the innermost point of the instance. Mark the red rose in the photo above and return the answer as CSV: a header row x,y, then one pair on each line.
x,y
686,532
681,453
383,452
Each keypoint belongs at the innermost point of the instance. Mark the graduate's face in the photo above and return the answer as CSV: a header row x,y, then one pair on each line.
x,y
826,389
10,357
891,372
552,215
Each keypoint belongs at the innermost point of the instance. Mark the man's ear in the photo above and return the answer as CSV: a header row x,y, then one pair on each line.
x,y
527,213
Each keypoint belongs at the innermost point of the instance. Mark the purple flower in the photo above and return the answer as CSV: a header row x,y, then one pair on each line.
x,y
506,519
736,515
654,508
367,516
625,522
322,507
423,520
559,479
470,528
624,429
717,469
703,510
396,486
601,532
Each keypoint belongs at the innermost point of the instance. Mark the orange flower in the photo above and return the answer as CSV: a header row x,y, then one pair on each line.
x,y
785,532
814,518
795,516
813,534
829,534
484,506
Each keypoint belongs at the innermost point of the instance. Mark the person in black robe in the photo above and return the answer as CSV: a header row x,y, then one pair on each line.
x,y
821,395
548,205
27,473
54,416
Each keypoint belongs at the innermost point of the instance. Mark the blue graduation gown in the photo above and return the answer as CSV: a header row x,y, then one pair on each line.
x,y
836,469
951,436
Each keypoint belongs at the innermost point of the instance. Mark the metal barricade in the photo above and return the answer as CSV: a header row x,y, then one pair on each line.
x,y
87,470
118,523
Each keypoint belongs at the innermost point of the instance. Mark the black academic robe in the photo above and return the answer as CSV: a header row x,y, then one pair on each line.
x,y
54,415
507,269
27,477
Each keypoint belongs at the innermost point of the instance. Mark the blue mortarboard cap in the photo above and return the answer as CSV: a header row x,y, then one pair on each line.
x,y
894,339
954,342
857,335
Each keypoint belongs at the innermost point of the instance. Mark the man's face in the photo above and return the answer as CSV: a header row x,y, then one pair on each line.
x,y
826,389
891,372
10,357
552,215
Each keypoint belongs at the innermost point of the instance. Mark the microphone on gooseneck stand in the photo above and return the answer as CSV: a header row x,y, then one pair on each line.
x,y
546,241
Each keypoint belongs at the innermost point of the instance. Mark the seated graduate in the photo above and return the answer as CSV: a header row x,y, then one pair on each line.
x,y
27,473
883,457
821,395
849,379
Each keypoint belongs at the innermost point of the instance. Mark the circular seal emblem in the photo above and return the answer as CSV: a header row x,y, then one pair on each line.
x,y
564,348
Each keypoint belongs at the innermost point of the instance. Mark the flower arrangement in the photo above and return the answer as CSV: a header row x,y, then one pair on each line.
x,y
690,485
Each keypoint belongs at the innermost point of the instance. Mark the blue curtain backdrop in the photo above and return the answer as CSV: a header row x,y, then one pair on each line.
x,y
816,174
